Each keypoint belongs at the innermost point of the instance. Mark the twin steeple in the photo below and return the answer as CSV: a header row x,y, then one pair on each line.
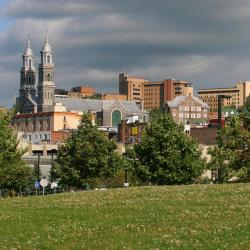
x,y
45,97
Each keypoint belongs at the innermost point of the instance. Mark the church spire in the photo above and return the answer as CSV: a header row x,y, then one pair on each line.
x,y
46,84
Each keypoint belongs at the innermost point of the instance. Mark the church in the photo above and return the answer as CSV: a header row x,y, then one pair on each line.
x,y
44,116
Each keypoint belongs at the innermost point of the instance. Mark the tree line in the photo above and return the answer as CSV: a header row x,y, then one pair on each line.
x,y
166,155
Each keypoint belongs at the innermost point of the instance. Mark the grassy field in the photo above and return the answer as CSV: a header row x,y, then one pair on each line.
x,y
174,217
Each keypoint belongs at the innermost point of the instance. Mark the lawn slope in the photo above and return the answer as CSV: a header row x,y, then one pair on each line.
x,y
169,217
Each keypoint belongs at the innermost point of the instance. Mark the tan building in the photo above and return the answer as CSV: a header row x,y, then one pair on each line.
x,y
155,94
81,92
189,110
111,96
238,95
173,88
132,87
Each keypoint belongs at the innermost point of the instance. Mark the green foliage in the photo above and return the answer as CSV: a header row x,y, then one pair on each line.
x,y
247,104
87,154
232,156
166,154
14,174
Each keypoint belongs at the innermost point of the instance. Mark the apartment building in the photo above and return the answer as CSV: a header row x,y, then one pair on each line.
x,y
238,95
189,110
155,94
131,86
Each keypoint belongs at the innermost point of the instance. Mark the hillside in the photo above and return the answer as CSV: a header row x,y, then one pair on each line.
x,y
169,217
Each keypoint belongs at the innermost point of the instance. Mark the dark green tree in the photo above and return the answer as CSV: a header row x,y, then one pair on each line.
x,y
14,173
166,154
233,150
86,154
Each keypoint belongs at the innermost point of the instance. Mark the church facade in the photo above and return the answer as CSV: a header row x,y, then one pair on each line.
x,y
43,116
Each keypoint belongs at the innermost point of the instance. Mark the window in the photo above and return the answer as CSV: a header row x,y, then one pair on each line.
x,y
193,115
48,124
41,125
198,115
48,59
116,117
180,115
192,108
198,108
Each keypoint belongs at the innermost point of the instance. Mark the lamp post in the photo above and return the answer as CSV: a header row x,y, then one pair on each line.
x,y
126,183
52,177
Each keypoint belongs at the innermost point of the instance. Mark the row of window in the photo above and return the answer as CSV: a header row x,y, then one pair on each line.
x,y
192,115
192,108
41,137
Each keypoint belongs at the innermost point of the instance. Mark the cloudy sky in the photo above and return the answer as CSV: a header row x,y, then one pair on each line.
x,y
206,42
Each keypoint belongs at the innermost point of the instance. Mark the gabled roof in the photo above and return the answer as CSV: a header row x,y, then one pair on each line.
x,y
179,99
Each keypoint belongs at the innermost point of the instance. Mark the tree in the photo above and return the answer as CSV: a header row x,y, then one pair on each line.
x,y
14,173
247,104
166,154
233,150
86,154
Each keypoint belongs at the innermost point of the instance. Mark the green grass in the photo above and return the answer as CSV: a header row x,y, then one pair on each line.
x,y
169,217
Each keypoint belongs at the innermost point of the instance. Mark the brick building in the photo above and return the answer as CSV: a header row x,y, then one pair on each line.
x,y
154,94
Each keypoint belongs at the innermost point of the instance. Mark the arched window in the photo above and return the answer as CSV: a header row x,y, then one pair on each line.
x,y
44,58
116,117
48,59
29,62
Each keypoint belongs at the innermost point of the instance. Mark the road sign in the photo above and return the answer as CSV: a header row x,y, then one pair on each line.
x,y
37,184
53,184
44,183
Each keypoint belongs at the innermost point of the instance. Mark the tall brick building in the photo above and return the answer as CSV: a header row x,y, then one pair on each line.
x,y
154,94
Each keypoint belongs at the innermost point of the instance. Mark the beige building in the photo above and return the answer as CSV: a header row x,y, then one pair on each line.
x,y
132,87
155,94
189,110
111,96
238,95
81,92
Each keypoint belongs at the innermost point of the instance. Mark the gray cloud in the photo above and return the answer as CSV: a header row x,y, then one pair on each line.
x,y
203,41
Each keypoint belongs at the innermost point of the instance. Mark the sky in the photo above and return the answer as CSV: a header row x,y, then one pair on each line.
x,y
205,42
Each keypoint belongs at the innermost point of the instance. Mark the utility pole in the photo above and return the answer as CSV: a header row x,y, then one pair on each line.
x,y
220,98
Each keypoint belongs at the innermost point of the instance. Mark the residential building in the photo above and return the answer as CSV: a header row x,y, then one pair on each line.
x,y
189,110
155,94
238,95
132,87
173,88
